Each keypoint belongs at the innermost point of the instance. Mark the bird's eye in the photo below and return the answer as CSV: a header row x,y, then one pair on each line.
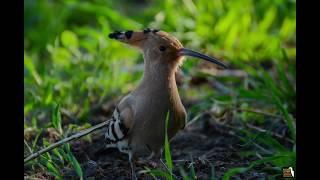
x,y
162,48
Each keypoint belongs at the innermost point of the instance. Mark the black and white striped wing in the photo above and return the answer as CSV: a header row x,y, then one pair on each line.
x,y
117,130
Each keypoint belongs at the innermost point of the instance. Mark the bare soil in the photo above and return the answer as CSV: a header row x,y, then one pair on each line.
x,y
204,145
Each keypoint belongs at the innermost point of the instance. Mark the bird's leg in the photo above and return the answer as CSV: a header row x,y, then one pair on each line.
x,y
161,151
133,173
151,155
125,148
149,160
110,146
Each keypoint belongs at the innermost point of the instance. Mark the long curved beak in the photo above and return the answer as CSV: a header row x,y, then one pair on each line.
x,y
188,52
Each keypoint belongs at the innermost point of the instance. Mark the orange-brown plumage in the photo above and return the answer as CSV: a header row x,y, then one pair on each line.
x,y
143,111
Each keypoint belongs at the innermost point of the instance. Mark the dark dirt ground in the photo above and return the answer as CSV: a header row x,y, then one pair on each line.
x,y
206,143
203,144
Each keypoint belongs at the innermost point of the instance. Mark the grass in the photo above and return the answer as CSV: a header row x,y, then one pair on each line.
x,y
70,64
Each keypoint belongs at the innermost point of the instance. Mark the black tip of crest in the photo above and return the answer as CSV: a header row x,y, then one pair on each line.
x,y
128,34
147,30
115,35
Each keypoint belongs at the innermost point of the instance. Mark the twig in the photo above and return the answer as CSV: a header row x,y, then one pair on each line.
x,y
272,133
232,73
29,148
68,114
195,119
66,140
259,112
171,173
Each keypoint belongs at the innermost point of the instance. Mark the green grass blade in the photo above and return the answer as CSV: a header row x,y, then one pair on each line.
x,y
288,118
192,172
233,171
160,173
167,148
53,170
74,162
183,173
56,118
213,173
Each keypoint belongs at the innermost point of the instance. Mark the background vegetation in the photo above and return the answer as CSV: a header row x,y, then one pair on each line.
x,y
71,67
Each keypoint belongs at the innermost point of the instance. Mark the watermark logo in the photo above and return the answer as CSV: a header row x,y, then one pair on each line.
x,y
288,172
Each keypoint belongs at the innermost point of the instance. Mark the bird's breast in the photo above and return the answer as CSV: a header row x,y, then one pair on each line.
x,y
149,117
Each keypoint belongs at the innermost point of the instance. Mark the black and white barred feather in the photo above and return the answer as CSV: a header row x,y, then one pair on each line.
x,y
117,130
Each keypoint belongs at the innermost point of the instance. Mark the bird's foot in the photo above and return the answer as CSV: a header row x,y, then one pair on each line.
x,y
133,172
153,164
148,162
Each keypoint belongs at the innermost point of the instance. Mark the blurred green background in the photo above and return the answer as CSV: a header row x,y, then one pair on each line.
x,y
70,61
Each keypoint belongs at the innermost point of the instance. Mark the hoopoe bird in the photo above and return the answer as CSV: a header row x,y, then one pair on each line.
x,y
137,127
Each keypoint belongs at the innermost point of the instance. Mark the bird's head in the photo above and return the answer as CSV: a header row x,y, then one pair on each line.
x,y
160,46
